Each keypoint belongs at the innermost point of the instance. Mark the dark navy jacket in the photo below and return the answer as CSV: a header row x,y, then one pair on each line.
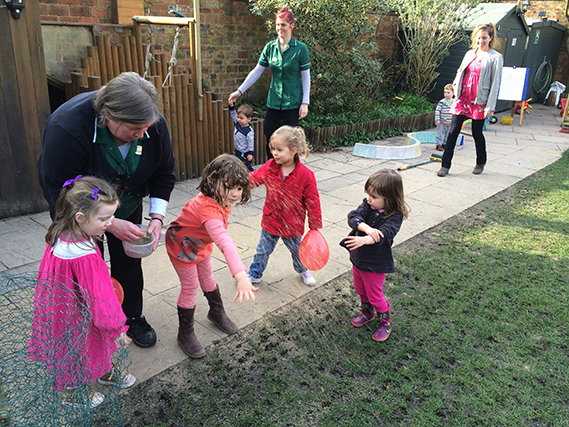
x,y
68,150
376,258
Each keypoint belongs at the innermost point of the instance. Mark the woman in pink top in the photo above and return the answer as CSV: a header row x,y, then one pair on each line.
x,y
74,287
476,87
189,242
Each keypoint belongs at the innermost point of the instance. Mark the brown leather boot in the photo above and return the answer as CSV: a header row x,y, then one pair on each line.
x,y
186,337
217,312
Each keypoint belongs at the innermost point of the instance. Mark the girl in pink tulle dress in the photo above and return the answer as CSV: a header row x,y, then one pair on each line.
x,y
476,88
77,318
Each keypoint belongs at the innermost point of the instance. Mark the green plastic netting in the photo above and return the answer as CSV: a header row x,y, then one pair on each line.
x,y
36,380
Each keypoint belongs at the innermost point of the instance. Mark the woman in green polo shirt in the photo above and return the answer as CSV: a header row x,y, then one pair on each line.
x,y
289,93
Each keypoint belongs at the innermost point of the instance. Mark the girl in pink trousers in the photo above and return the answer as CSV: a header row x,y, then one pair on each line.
x,y
374,224
189,242
74,287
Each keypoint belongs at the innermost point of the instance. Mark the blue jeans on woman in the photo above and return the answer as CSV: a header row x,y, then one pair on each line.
x,y
265,248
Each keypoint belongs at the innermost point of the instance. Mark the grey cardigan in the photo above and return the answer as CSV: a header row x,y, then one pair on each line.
x,y
490,77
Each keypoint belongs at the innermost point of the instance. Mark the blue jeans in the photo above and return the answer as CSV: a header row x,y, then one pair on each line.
x,y
266,246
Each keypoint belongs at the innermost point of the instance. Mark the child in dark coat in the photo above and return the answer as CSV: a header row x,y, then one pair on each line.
x,y
374,225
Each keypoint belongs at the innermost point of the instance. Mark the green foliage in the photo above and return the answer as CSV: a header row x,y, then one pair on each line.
x,y
393,106
430,28
340,38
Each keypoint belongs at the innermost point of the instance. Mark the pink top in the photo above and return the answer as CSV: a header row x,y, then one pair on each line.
x,y
77,316
465,105
190,237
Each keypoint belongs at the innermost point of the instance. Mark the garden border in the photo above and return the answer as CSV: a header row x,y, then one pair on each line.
x,y
416,122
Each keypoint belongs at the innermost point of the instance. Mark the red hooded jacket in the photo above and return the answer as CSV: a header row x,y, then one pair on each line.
x,y
288,200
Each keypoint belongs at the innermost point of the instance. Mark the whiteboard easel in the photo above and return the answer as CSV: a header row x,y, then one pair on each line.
x,y
513,87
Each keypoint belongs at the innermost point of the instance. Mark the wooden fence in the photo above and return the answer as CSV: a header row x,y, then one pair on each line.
x,y
196,140
319,136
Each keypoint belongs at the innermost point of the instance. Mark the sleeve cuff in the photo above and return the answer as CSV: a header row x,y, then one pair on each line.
x,y
158,206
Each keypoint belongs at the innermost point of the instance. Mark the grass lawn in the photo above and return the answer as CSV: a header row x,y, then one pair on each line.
x,y
479,336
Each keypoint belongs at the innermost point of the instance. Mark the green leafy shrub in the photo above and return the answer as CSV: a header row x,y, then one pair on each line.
x,y
345,72
394,106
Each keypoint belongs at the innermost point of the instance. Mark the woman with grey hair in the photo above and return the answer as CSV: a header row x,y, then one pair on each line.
x,y
118,134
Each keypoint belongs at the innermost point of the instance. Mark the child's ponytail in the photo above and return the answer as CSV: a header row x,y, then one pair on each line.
x,y
80,194
295,138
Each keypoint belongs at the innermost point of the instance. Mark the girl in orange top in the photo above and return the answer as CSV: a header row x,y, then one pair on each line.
x,y
189,242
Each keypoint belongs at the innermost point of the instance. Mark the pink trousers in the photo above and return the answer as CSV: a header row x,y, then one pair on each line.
x,y
369,286
192,278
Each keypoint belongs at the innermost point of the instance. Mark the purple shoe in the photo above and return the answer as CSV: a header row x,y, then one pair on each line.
x,y
368,314
384,329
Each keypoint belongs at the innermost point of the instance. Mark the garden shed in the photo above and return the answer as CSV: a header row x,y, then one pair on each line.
x,y
541,55
512,32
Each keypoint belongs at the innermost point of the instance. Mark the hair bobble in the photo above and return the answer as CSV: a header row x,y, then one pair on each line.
x,y
71,181
95,193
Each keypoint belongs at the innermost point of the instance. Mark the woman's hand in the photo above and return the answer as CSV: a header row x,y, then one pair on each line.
x,y
488,113
233,97
155,227
125,230
244,288
303,111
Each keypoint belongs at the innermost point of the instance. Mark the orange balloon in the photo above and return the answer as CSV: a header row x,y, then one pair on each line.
x,y
313,250
118,289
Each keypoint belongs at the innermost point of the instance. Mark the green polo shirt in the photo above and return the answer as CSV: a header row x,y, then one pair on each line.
x,y
124,166
285,92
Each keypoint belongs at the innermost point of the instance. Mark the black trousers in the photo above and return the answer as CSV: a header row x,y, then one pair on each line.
x,y
127,270
479,140
274,119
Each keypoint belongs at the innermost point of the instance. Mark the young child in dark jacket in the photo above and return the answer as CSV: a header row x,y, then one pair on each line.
x,y
374,225
243,134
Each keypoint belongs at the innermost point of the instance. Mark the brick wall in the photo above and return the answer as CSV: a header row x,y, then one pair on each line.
x,y
386,27
86,11
231,37
554,9
231,40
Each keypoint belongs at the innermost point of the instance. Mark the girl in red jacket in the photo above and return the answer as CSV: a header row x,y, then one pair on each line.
x,y
291,194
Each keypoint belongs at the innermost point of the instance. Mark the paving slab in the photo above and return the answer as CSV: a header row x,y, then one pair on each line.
x,y
514,152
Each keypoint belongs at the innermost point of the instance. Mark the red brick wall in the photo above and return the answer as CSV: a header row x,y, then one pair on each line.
x,y
86,11
555,9
229,36
386,28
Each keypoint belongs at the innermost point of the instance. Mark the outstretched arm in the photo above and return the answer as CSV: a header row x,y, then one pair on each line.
x,y
223,241
249,81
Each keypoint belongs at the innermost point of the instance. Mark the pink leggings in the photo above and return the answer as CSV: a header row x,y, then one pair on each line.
x,y
192,278
369,286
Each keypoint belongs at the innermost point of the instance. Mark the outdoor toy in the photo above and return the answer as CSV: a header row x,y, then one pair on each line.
x,y
433,158
313,250
118,289
524,105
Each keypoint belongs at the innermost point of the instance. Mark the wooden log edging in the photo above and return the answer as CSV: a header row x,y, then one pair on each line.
x,y
319,136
